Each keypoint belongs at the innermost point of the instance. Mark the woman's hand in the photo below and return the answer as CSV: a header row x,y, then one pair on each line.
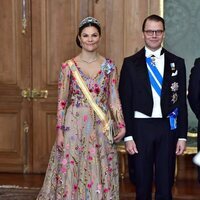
x,y
60,140
120,135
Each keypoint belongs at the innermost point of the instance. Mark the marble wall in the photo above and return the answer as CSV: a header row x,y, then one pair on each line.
x,y
182,19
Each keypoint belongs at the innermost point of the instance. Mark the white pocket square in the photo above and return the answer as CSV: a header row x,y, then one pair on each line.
x,y
175,73
196,159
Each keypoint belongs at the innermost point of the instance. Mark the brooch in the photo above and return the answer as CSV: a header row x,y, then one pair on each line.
x,y
174,87
108,68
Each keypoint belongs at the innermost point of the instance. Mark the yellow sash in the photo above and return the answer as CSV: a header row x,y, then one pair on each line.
x,y
107,123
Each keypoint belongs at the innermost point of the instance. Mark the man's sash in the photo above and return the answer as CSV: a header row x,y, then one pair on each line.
x,y
155,77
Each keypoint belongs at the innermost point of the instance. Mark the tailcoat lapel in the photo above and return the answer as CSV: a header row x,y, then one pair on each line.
x,y
166,76
142,72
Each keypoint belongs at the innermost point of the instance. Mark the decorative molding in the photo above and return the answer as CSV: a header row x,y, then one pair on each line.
x,y
162,8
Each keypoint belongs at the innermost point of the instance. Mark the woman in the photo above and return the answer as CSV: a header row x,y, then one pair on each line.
x,y
83,163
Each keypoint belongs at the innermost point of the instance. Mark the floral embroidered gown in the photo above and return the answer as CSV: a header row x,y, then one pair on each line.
x,y
87,168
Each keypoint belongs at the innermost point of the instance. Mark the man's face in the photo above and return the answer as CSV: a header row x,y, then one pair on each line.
x,y
153,34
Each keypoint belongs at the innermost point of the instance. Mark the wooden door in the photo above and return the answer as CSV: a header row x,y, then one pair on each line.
x,y
38,36
15,75
54,30
121,21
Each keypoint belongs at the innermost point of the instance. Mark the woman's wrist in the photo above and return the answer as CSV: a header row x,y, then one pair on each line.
x,y
121,125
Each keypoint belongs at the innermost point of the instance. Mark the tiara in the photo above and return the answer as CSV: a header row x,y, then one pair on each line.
x,y
88,20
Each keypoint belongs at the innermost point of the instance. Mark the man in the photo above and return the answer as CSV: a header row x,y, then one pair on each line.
x,y
194,101
153,95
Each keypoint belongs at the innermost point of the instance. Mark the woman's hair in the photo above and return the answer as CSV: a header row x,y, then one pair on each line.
x,y
88,21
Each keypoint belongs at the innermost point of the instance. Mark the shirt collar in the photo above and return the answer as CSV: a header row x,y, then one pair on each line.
x,y
149,53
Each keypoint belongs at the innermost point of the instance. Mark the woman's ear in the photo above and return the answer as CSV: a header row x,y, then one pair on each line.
x,y
79,38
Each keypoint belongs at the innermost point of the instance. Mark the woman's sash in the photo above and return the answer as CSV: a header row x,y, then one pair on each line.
x,y
108,128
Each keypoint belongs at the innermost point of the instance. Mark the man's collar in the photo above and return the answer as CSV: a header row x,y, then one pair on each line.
x,y
149,53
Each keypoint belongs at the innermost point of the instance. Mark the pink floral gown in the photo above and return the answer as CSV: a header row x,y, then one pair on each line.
x,y
87,168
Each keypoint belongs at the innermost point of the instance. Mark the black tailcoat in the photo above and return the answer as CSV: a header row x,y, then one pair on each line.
x,y
194,97
136,95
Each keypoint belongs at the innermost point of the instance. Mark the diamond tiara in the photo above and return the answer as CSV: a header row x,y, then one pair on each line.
x,y
88,20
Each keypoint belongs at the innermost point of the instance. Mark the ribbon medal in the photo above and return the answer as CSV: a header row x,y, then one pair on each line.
x,y
172,65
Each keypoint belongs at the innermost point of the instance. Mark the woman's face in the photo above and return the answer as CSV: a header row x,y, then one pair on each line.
x,y
89,39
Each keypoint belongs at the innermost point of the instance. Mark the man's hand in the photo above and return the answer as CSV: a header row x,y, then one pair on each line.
x,y
131,147
180,147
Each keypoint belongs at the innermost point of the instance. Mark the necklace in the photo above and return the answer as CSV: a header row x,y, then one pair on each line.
x,y
90,61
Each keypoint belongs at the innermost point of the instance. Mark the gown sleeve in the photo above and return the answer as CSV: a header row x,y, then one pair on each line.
x,y
114,101
63,94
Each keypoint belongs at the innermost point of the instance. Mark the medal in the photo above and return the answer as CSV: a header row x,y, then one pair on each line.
x,y
172,65
174,98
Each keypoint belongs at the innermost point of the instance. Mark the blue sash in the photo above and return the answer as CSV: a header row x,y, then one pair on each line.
x,y
155,77
173,119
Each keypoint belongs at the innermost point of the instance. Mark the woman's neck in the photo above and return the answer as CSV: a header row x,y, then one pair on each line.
x,y
88,57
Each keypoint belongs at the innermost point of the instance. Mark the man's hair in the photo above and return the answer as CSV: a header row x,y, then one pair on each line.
x,y
153,18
